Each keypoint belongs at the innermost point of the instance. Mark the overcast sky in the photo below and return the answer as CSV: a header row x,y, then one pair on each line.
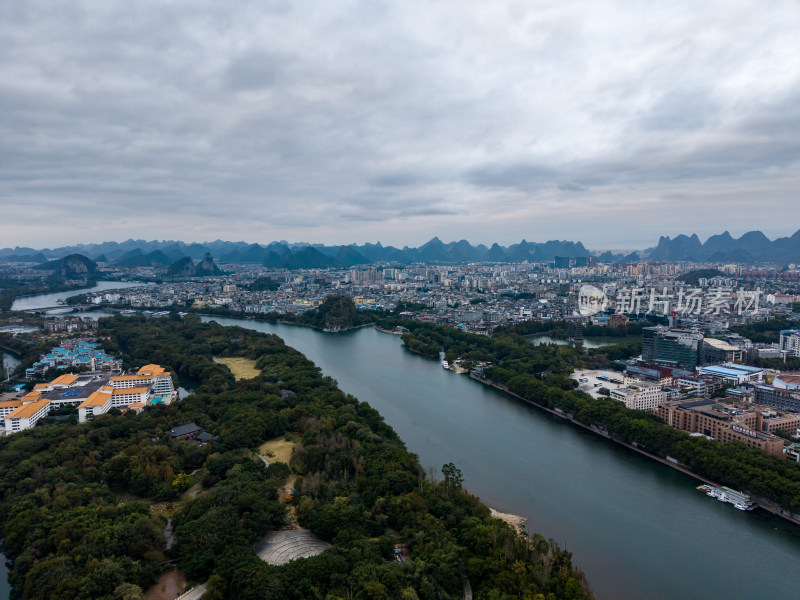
x,y
346,121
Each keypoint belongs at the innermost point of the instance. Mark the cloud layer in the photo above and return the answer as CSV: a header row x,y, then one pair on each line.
x,y
356,121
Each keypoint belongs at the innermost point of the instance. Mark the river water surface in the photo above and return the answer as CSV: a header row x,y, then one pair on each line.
x,y
639,529
47,300
5,587
589,342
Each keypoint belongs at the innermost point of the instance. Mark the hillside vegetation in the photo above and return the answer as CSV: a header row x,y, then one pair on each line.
x,y
77,500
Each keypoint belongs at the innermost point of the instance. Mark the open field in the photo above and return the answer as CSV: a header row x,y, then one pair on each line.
x,y
277,449
242,368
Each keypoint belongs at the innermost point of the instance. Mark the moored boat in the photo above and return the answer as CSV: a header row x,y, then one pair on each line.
x,y
725,494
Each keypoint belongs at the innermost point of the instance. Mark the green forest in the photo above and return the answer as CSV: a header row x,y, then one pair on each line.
x,y
336,313
765,332
83,506
540,374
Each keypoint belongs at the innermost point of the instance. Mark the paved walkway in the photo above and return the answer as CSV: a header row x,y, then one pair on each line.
x,y
194,594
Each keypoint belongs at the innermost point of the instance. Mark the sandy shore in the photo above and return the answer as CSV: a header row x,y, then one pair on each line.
x,y
519,523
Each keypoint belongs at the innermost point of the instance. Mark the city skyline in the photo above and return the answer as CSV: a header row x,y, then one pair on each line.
x,y
398,122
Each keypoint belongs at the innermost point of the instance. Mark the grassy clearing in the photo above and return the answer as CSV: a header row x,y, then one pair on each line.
x,y
242,368
162,509
277,449
280,450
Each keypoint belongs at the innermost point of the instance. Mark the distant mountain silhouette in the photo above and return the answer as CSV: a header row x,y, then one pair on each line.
x,y
185,267
206,267
33,257
308,258
348,257
610,257
752,247
156,258
73,266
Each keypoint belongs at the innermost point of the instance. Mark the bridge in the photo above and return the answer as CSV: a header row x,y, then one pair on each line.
x,y
44,310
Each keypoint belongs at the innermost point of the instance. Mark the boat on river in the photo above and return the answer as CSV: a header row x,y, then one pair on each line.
x,y
445,365
739,500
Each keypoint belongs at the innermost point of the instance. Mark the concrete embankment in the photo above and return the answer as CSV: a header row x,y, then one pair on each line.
x,y
764,503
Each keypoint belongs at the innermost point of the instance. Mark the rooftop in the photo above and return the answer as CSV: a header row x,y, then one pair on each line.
x,y
64,380
720,345
133,390
152,370
732,372
28,410
98,398
185,429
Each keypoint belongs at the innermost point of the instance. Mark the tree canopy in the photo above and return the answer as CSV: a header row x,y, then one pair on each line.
x,y
80,503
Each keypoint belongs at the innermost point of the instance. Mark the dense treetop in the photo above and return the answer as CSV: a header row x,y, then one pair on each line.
x,y
83,506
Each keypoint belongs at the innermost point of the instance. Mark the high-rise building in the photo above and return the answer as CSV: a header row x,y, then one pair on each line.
x,y
790,342
562,262
671,347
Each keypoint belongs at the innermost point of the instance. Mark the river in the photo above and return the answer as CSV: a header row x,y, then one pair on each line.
x,y
10,361
637,528
5,586
46,300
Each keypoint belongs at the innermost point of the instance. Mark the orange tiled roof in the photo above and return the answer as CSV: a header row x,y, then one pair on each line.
x,y
29,410
133,390
98,398
65,379
151,370
130,377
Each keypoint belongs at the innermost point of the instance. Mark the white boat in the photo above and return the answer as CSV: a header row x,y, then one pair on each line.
x,y
725,494
445,365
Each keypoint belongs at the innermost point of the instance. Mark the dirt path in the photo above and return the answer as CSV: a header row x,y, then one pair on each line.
x,y
169,586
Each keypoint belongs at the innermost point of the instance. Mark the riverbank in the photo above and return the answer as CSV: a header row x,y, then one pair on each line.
x,y
516,521
630,523
250,317
390,331
762,502
8,350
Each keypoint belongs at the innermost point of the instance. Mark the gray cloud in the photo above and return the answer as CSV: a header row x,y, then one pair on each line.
x,y
397,121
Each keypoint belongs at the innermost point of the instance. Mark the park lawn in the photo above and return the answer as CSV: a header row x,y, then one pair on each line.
x,y
242,368
277,450
280,450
